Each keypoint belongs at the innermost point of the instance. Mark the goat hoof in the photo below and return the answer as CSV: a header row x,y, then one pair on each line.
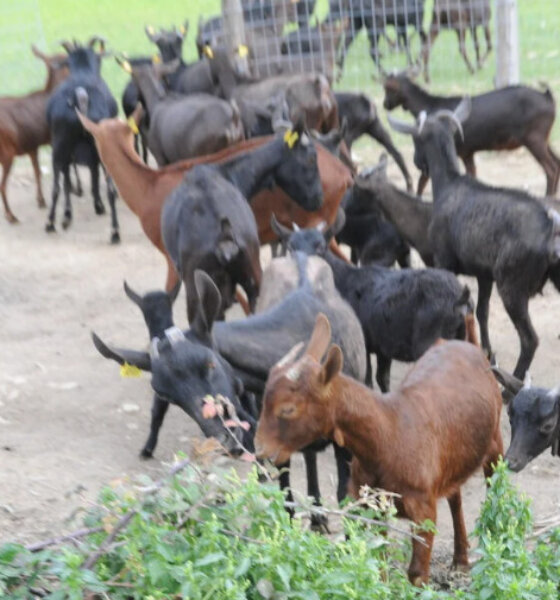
x,y
146,454
77,192
115,238
11,218
50,228
41,203
460,567
99,209
66,222
320,524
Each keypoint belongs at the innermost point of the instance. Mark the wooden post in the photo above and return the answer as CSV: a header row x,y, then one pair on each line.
x,y
507,43
234,29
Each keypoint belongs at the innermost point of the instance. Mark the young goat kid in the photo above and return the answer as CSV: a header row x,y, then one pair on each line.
x,y
421,442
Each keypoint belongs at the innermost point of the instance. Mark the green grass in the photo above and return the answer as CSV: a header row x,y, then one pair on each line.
x,y
122,22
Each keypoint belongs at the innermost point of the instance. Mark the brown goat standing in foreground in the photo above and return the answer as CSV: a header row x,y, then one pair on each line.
x,y
422,441
23,126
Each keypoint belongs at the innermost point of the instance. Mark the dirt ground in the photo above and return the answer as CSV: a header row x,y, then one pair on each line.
x,y
69,423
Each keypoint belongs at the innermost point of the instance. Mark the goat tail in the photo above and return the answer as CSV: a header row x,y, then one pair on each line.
x,y
81,100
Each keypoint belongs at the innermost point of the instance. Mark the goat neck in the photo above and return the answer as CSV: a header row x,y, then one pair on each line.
x,y
441,157
152,90
359,418
417,99
251,172
341,269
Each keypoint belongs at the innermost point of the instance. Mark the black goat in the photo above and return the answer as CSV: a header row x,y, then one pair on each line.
x,y
502,119
207,221
131,96
402,313
186,370
182,126
409,215
86,91
361,118
495,234
534,416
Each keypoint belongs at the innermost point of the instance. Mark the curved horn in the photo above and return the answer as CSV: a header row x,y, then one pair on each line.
x,y
527,380
136,298
97,38
290,356
38,53
510,382
463,109
320,338
422,121
452,117
68,46
402,126
280,230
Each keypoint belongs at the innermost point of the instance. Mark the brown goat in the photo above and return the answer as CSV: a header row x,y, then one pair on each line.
x,y
145,189
23,126
422,441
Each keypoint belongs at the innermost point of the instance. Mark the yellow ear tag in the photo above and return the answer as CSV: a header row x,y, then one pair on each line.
x,y
151,30
156,59
132,124
126,66
243,51
208,51
182,30
130,371
291,137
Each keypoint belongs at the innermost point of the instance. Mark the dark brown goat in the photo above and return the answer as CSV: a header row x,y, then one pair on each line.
x,y
461,16
145,189
503,119
23,126
422,441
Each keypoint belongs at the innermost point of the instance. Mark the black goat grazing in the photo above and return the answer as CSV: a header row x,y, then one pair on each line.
x,y
84,90
494,234
534,416
502,119
207,221
402,313
183,126
409,215
361,118
186,370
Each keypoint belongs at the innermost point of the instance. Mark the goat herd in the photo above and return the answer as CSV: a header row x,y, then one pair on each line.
x,y
240,160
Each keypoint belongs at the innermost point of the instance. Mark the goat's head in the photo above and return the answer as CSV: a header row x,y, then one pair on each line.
x,y
156,307
57,64
188,372
298,174
434,133
169,41
534,416
86,57
297,403
311,241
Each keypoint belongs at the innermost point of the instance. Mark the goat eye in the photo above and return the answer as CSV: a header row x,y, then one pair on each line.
x,y
547,428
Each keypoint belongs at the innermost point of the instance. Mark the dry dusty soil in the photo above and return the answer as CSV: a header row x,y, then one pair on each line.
x,y
69,423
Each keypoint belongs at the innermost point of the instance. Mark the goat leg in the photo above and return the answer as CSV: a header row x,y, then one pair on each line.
x,y
482,308
463,49
67,220
97,202
461,544
50,228
517,307
343,458
6,167
379,133
383,374
37,171
77,189
319,523
112,196
284,482
159,408
419,510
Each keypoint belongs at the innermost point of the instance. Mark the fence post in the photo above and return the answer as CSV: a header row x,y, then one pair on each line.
x,y
234,30
507,43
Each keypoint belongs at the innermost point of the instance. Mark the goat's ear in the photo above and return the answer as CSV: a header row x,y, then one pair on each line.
x,y
38,53
151,33
174,292
510,382
320,338
209,301
124,64
332,365
138,359
132,295
463,109
184,29
280,230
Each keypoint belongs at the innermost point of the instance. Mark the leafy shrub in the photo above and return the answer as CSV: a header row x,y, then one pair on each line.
x,y
208,535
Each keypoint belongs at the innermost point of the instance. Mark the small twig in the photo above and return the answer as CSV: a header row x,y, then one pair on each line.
x,y
95,556
80,533
321,510
234,534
